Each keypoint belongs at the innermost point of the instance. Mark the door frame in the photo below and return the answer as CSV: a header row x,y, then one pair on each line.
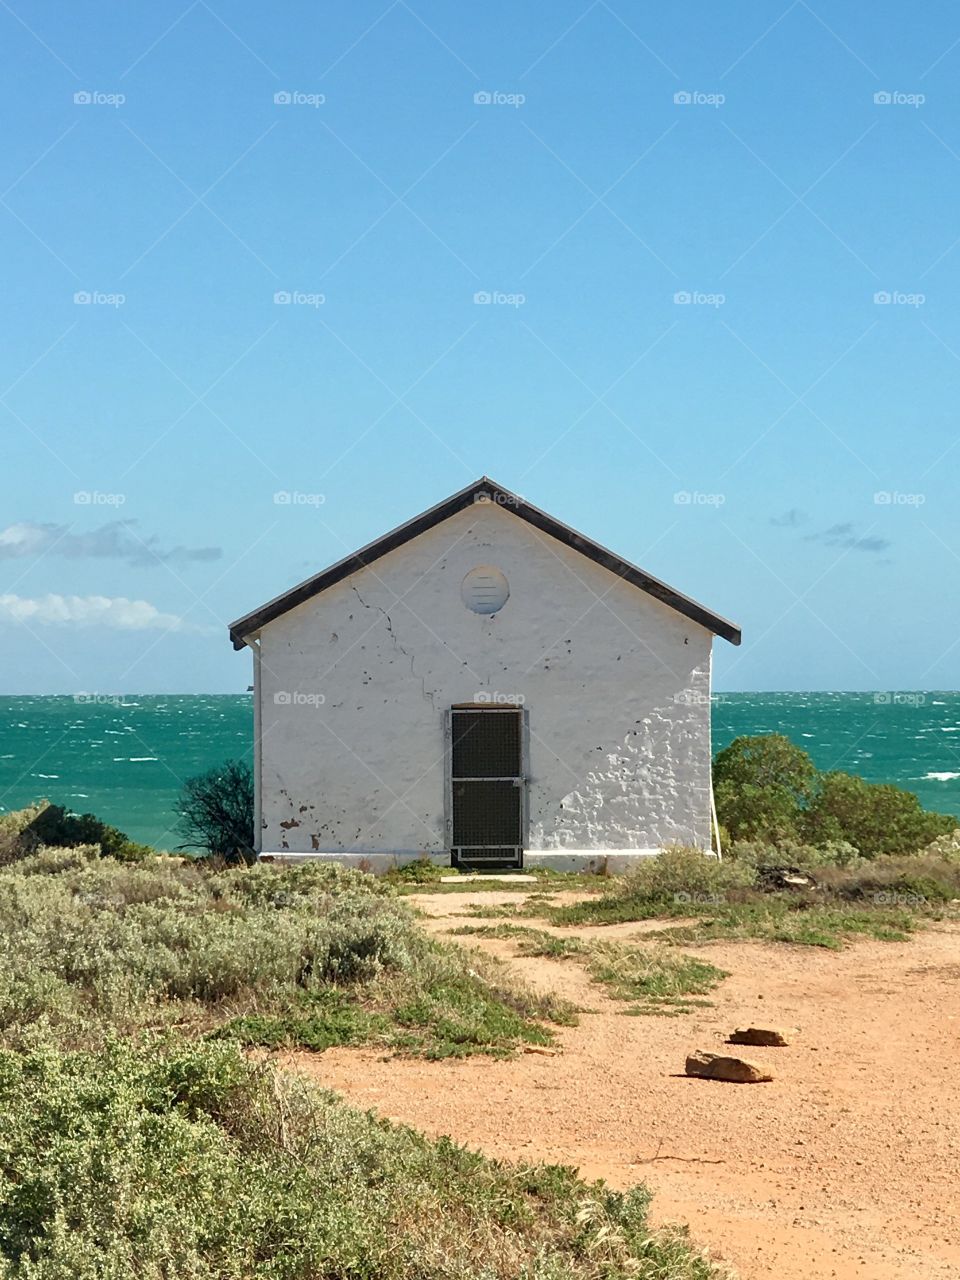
x,y
448,769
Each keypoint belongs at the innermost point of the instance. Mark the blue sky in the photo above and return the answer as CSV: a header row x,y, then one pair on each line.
x,y
684,217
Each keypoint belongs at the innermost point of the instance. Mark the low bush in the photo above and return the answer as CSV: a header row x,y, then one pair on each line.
x,y
761,785
12,826
679,881
875,817
769,792
26,830
185,1160
946,846
792,853
304,955
216,812
925,880
884,898
420,871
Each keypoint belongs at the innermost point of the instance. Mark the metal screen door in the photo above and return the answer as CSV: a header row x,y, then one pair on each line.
x,y
486,786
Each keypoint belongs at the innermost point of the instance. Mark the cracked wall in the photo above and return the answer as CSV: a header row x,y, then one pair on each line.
x,y
354,685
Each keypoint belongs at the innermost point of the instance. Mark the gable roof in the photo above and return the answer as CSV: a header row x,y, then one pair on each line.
x,y
481,489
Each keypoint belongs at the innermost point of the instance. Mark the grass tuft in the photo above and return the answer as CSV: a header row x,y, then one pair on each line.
x,y
885,899
655,979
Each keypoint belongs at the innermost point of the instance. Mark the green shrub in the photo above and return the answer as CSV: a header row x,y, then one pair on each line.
x,y
420,871
885,898
216,812
679,881
760,786
680,870
946,846
926,880
877,818
791,853
87,946
56,827
768,792
12,826
185,1160
53,826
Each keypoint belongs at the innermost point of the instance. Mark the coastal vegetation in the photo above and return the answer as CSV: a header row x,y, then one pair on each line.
x,y
141,1140
215,812
149,1133
183,1158
827,905
768,789
650,980
51,825
311,956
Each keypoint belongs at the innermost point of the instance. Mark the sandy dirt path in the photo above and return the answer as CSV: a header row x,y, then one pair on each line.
x,y
847,1165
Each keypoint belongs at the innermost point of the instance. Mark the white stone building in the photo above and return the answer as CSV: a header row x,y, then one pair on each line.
x,y
484,686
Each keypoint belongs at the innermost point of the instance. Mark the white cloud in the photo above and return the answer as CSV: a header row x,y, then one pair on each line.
x,y
117,540
115,612
23,540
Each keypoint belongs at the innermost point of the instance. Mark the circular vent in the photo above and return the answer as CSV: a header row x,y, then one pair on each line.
x,y
485,589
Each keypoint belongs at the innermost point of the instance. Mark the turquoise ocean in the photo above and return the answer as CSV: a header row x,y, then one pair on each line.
x,y
125,759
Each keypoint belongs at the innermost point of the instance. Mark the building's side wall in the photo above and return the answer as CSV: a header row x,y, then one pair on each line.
x,y
354,686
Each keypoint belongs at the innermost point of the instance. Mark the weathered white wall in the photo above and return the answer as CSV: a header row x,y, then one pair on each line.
x,y
354,685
